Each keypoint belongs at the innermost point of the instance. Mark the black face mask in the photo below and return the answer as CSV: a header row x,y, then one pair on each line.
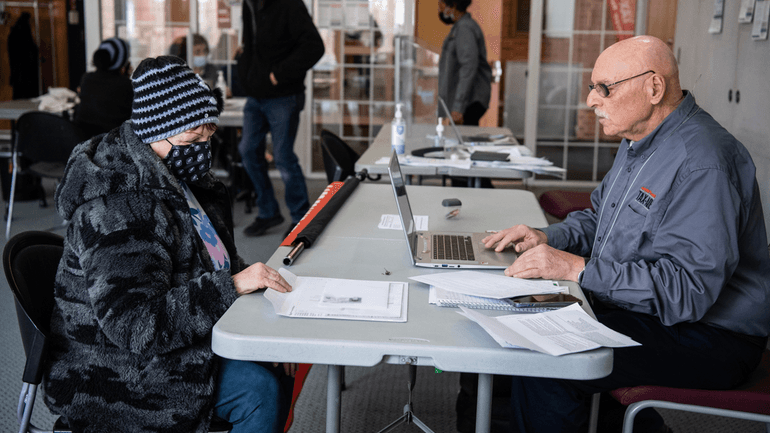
x,y
189,163
445,19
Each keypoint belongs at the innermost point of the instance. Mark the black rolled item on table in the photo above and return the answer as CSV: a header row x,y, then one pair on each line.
x,y
313,229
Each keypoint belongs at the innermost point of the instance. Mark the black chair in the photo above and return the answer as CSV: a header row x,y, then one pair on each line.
x,y
45,141
30,262
338,157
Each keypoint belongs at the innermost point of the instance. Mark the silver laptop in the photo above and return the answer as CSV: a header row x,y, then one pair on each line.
x,y
442,250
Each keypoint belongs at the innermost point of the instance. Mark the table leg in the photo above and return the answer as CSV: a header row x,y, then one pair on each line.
x,y
333,391
484,404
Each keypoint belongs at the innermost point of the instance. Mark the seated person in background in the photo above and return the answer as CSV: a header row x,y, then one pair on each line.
x,y
675,255
200,63
106,94
149,266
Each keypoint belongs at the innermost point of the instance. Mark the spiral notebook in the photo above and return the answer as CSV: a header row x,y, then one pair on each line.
x,y
445,298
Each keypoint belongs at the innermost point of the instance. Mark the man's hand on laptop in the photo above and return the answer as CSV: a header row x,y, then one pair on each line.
x,y
522,237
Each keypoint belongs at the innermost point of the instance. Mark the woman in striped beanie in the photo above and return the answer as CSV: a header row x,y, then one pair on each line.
x,y
149,266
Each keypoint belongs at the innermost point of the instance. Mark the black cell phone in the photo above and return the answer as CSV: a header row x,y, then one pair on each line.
x,y
552,300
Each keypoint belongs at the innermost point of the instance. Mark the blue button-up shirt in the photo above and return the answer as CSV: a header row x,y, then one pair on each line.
x,y
678,230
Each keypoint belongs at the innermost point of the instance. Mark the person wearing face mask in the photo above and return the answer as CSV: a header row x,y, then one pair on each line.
x,y
200,61
465,77
149,266
280,44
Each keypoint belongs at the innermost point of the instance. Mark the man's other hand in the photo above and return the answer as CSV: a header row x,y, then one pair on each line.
x,y
548,263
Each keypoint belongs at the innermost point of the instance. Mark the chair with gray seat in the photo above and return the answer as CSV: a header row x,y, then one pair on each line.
x,y
30,262
44,142
749,401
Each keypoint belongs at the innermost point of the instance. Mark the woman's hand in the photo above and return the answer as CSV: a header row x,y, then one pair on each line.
x,y
289,368
259,276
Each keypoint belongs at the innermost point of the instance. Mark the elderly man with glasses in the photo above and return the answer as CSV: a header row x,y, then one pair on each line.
x,y
674,255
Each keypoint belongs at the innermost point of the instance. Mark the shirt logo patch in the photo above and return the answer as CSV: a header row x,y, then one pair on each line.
x,y
645,197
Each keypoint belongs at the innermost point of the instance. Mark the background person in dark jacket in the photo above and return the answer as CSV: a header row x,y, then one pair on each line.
x,y
280,43
465,77
106,94
149,266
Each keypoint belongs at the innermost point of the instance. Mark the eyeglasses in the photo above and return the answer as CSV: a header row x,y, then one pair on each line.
x,y
604,89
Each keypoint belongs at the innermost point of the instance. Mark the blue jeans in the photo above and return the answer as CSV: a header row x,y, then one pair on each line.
x,y
253,397
280,116
685,355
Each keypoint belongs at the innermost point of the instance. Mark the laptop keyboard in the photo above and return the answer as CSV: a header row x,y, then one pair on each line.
x,y
452,247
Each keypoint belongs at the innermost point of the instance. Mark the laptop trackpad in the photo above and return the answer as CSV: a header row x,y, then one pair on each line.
x,y
488,256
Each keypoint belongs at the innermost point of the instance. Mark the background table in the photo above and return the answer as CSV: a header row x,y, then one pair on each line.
x,y
232,114
353,247
417,139
12,110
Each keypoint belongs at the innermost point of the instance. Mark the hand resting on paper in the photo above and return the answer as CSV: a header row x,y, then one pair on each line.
x,y
259,276
536,259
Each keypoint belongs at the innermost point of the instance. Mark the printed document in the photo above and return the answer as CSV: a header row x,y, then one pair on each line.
x,y
336,298
393,222
559,332
487,285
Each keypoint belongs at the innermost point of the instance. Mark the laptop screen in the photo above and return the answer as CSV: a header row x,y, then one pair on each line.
x,y
451,121
402,202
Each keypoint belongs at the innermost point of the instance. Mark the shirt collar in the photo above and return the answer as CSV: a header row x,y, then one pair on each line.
x,y
669,125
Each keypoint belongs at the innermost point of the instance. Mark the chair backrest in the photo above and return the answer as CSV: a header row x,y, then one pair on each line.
x,y
338,157
30,261
46,137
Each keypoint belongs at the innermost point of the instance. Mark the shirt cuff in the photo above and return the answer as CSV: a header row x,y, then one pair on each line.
x,y
580,275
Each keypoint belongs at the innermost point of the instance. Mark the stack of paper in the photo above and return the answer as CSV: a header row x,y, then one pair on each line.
x,y
335,298
484,284
559,332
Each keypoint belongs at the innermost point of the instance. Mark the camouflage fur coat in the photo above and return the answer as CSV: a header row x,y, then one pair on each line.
x,y
136,293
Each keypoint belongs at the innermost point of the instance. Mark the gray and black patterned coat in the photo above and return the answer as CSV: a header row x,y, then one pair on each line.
x,y
136,293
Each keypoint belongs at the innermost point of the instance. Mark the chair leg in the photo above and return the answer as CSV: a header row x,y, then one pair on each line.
x,y
593,419
26,403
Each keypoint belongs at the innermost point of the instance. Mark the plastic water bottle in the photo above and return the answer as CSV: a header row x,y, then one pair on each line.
x,y
221,84
398,132
439,139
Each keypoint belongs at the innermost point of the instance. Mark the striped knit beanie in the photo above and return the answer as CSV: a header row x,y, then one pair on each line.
x,y
119,51
169,98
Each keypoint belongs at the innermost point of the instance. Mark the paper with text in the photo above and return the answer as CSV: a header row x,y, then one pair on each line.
x,y
487,285
567,330
336,298
393,222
